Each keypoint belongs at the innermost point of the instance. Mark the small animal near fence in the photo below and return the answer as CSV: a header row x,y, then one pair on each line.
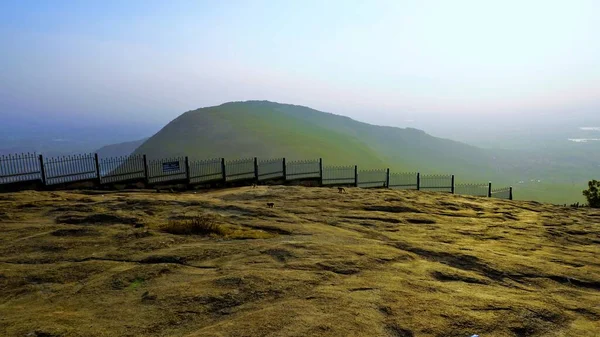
x,y
22,170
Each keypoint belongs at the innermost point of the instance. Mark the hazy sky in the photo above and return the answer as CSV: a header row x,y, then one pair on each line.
x,y
377,61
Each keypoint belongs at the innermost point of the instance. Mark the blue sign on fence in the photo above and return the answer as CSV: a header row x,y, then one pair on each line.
x,y
171,166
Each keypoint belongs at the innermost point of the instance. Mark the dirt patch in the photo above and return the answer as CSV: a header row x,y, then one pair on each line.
x,y
387,220
75,232
97,219
416,221
269,229
72,208
342,268
42,333
459,261
392,209
28,206
155,259
280,255
229,282
454,277
397,331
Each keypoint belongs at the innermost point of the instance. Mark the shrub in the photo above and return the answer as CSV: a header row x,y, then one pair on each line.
x,y
205,224
592,194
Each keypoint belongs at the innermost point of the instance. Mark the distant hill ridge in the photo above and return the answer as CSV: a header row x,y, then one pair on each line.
x,y
119,149
268,130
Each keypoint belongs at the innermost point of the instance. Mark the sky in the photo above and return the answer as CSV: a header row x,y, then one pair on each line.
x,y
383,62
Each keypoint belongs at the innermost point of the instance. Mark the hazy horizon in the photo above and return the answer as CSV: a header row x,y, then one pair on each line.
x,y
386,62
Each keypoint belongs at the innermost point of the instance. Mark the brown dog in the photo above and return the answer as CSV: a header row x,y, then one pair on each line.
x,y
341,190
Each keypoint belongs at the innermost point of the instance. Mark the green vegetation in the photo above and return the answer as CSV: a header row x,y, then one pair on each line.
x,y
592,194
269,130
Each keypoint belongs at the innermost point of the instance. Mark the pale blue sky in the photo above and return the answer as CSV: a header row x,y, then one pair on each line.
x,y
377,61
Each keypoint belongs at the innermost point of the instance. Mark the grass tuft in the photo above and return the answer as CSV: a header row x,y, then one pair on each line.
x,y
205,224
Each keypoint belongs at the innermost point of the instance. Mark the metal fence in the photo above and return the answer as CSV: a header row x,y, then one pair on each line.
x,y
303,169
122,169
66,169
502,193
372,178
339,175
478,190
206,171
167,170
241,169
271,169
404,181
20,168
436,182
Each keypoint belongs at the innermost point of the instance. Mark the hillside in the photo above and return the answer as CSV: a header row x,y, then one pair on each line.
x,y
120,149
269,130
364,263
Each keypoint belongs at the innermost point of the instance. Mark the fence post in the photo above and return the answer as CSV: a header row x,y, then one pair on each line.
x,y
418,181
490,189
355,175
187,170
42,170
284,170
146,177
387,178
97,168
223,170
255,169
321,171
510,193
452,188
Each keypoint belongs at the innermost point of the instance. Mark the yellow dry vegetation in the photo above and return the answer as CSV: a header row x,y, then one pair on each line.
x,y
319,263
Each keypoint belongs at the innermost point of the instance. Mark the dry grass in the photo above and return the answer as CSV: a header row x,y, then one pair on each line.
x,y
365,263
205,224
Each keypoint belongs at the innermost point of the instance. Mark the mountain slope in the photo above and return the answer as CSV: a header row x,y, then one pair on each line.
x,y
120,149
267,129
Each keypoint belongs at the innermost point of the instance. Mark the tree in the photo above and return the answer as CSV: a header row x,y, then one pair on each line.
x,y
592,194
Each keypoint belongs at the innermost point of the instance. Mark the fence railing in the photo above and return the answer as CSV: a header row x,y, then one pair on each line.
x,y
502,193
67,169
26,168
478,190
166,170
303,169
271,169
339,175
122,169
207,171
373,178
434,182
240,169
20,168
405,181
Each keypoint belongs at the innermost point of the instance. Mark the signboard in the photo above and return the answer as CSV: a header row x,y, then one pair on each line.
x,y
172,166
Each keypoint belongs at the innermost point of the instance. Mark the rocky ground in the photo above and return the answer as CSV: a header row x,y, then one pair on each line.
x,y
319,263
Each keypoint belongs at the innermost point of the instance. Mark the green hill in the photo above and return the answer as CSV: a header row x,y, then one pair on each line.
x,y
120,149
269,130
